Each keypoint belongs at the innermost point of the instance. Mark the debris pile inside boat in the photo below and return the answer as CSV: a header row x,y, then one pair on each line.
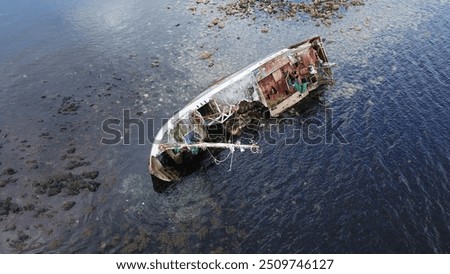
x,y
211,122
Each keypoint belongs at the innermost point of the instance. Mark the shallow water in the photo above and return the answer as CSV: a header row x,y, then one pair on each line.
x,y
384,191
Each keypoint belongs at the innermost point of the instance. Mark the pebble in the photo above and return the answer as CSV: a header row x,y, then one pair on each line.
x,y
9,171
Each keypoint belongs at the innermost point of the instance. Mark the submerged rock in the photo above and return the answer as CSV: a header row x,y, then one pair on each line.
x,y
5,182
9,171
68,205
69,105
7,207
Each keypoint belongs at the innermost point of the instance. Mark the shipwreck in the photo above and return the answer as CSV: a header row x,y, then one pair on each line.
x,y
208,123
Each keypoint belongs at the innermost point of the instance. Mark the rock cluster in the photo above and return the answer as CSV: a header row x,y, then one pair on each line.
x,y
70,183
324,10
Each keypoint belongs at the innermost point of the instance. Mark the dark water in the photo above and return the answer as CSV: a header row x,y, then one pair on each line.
x,y
386,190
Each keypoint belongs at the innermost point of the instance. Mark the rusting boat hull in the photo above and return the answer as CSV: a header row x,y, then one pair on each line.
x,y
277,82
